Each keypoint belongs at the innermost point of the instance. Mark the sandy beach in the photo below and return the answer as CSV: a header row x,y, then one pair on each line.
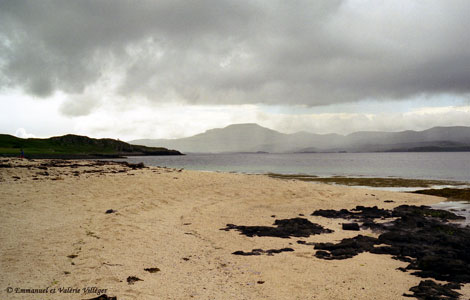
x,y
55,234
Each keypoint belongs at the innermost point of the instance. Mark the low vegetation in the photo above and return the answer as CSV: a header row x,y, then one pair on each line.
x,y
74,146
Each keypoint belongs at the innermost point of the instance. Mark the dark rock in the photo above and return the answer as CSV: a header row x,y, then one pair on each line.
x,y
261,251
331,213
419,236
152,270
408,210
133,279
430,290
371,212
347,248
389,201
286,228
368,223
110,211
351,226
323,254
133,166
260,282
359,213
253,252
305,243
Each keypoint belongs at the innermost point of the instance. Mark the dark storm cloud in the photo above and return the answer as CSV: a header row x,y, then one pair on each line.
x,y
230,52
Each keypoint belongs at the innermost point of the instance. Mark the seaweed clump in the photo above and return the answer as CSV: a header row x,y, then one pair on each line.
x,y
285,228
420,236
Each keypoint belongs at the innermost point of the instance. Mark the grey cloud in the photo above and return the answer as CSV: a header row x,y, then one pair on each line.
x,y
77,106
233,52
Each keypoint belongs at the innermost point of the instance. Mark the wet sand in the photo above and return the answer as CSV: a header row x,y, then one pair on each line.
x,y
55,233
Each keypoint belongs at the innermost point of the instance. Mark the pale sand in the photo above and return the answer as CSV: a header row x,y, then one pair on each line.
x,y
44,221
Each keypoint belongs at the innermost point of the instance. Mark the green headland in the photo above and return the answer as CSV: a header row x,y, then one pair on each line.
x,y
75,146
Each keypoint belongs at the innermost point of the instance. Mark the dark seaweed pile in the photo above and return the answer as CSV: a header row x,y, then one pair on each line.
x,y
360,212
429,290
261,251
419,236
286,228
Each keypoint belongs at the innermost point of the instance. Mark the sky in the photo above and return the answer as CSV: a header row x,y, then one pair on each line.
x,y
168,69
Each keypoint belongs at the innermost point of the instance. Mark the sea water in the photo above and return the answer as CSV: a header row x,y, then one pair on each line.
x,y
453,166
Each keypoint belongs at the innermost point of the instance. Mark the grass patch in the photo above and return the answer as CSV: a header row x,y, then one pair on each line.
x,y
75,145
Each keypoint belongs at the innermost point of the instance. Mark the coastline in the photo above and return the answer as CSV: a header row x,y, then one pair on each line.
x,y
56,233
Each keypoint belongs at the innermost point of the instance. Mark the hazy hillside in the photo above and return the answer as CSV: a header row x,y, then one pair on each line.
x,y
254,138
75,146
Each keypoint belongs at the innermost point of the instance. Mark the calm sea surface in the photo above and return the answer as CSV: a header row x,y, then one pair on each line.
x,y
429,165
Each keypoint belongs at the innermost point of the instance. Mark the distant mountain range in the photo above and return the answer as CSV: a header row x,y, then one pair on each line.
x,y
255,138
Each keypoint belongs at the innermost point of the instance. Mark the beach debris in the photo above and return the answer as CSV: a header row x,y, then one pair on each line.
x,y
269,252
110,211
72,256
389,201
350,226
428,289
260,282
152,270
286,228
133,279
103,297
185,258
